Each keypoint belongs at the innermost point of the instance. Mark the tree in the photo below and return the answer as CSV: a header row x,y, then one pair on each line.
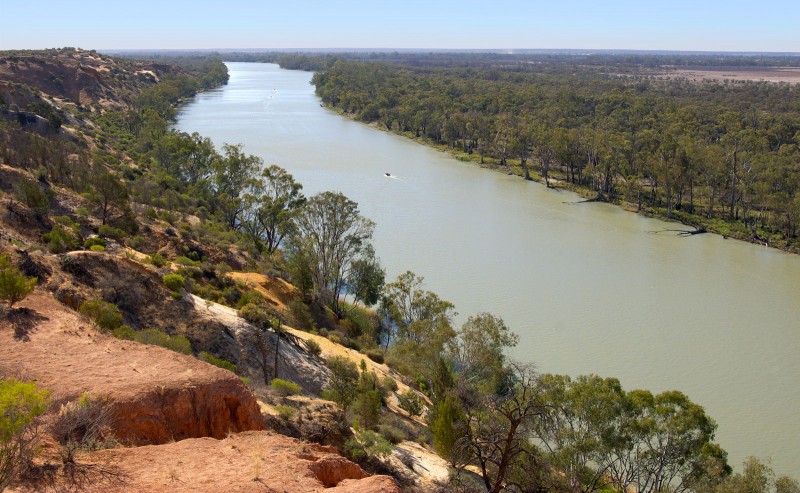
x,y
659,442
498,427
479,351
421,323
366,278
756,477
20,404
413,310
344,378
232,177
14,286
108,194
582,414
271,207
30,193
446,421
331,235
263,322
366,405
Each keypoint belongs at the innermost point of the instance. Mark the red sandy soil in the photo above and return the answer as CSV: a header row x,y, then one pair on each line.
x,y
246,462
158,395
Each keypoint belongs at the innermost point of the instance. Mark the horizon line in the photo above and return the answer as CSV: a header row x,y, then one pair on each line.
x,y
508,51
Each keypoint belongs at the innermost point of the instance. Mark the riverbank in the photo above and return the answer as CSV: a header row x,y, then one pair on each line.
x,y
558,180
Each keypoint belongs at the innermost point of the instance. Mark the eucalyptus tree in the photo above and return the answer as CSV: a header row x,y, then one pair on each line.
x,y
421,323
270,207
659,443
581,416
233,177
331,236
496,430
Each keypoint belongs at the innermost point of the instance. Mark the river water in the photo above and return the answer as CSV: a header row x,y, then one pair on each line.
x,y
589,288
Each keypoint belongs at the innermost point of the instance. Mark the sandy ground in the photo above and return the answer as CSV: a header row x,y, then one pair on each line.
x,y
245,462
277,291
425,463
59,346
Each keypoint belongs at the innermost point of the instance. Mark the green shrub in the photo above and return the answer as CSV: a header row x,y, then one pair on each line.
x,y
388,384
136,242
365,322
352,344
312,347
337,338
186,261
14,286
158,260
174,282
366,406
231,295
97,248
343,381
446,422
256,314
104,314
20,404
124,332
63,238
111,232
31,194
411,403
213,360
392,434
284,387
94,241
367,444
285,412
300,314
250,296
155,337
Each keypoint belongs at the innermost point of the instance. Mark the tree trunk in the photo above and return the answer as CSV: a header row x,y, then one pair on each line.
x,y
277,352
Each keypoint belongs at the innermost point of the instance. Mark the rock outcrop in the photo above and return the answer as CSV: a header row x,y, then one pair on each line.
x,y
212,409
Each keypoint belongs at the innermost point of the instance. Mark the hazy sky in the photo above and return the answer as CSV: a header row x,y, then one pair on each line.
x,y
712,25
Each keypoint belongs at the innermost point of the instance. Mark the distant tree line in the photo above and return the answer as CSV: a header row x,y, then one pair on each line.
x,y
719,154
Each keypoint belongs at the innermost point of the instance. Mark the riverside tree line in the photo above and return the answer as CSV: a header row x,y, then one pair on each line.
x,y
723,155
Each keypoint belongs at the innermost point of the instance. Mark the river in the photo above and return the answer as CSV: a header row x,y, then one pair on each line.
x,y
590,288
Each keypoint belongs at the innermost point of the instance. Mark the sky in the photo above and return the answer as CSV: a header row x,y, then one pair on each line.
x,y
696,25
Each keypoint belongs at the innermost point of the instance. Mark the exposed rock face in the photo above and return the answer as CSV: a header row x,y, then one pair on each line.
x,y
170,413
158,395
294,364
